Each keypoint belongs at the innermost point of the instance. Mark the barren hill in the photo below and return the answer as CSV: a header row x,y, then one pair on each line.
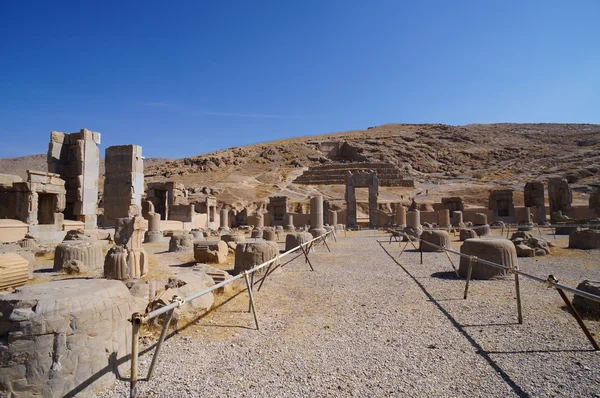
x,y
444,160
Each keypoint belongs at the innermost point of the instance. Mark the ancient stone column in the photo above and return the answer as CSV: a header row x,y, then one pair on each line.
x,y
316,216
289,224
400,215
260,220
413,219
154,233
444,218
224,223
457,218
560,196
333,218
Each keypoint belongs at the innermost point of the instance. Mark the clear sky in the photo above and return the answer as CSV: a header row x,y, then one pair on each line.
x,y
185,78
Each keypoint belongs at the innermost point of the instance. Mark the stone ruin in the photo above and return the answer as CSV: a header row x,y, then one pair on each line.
x,y
278,208
560,196
123,182
76,159
388,174
360,179
453,204
127,259
533,194
38,202
501,203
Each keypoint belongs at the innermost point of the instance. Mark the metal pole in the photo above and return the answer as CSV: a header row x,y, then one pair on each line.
x,y
264,277
404,248
326,245
578,318
163,334
135,351
421,249
553,231
518,291
468,277
306,257
451,263
251,298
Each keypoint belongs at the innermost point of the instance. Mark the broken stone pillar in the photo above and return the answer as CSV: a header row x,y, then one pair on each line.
x,y
224,221
249,255
123,183
326,212
211,252
333,218
14,270
457,218
501,203
499,251
76,158
480,219
413,219
127,259
289,223
444,218
260,220
79,246
65,338
316,216
154,233
400,215
560,196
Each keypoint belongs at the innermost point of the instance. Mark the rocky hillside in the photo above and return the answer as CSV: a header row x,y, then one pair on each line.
x,y
444,160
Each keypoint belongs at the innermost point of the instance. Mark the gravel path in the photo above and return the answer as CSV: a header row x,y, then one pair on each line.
x,y
369,323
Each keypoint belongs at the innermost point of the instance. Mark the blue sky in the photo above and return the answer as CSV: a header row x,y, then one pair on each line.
x,y
186,78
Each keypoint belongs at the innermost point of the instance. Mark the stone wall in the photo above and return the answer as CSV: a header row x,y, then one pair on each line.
x,y
332,174
76,159
123,183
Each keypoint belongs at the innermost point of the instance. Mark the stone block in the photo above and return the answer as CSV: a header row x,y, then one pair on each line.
x,y
439,238
249,255
14,270
181,242
584,304
296,239
499,251
586,239
211,252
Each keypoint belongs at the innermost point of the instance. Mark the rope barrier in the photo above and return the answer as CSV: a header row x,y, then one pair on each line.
x,y
137,319
550,282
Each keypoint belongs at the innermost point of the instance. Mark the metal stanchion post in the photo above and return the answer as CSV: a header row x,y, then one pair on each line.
x,y
135,351
576,315
306,257
518,291
163,334
451,263
421,249
251,299
471,261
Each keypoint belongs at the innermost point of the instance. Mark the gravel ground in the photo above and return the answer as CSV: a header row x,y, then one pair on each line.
x,y
369,323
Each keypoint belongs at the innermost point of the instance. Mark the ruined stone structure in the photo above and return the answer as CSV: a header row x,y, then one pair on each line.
x,y
39,202
123,182
65,338
400,215
278,208
165,195
454,203
316,216
79,246
248,255
76,159
501,203
438,238
127,259
444,218
224,221
533,194
457,219
14,270
209,206
560,196
154,233
211,252
499,251
289,224
359,179
331,174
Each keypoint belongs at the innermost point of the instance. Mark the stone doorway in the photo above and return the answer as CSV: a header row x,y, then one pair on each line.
x,y
362,179
47,204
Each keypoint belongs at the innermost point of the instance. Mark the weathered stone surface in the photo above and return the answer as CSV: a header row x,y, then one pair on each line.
x,y
269,234
457,219
467,233
257,233
499,251
181,242
124,182
534,198
248,255
237,238
316,232
529,246
75,267
413,219
560,197
594,202
355,180
584,304
481,230
14,270
198,234
444,218
211,252
121,263
439,238
480,219
64,338
296,239
586,239
89,252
